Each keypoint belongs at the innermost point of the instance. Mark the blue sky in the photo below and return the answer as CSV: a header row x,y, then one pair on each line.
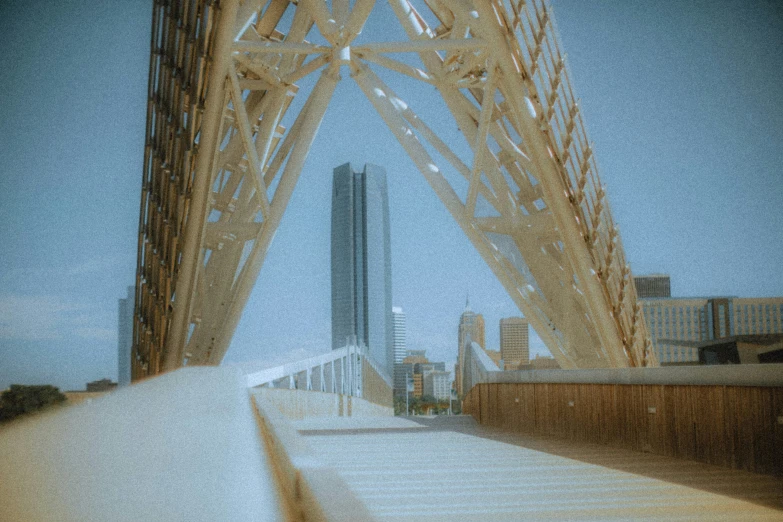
x,y
683,100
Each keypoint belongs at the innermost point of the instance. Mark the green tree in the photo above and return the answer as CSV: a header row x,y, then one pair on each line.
x,y
399,405
420,405
19,400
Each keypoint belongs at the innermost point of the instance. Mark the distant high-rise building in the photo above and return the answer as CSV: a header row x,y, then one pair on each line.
x,y
416,356
757,315
496,357
418,385
438,384
361,262
402,372
514,342
678,325
125,336
470,325
653,285
542,362
417,367
398,317
399,350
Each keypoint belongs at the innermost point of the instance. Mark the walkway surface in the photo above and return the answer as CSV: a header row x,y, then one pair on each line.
x,y
450,468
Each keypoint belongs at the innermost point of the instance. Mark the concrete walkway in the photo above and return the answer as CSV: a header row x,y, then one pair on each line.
x,y
449,468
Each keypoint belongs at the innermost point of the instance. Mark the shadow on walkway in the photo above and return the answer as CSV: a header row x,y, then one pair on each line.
x,y
764,490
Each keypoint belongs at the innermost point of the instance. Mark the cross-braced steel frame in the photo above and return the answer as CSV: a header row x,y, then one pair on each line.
x,y
220,168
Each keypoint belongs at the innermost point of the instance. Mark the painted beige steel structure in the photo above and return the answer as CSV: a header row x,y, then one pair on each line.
x,y
220,168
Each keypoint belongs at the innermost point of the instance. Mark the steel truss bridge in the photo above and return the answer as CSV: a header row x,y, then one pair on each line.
x,y
313,439
220,167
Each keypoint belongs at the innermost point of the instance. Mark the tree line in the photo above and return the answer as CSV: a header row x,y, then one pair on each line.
x,y
20,400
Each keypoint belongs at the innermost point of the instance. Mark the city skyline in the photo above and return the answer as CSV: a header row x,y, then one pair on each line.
x,y
677,325
686,126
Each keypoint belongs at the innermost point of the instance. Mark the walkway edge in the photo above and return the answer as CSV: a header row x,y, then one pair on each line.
x,y
310,490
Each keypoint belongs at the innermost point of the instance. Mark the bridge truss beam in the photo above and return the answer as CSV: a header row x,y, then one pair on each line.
x,y
220,168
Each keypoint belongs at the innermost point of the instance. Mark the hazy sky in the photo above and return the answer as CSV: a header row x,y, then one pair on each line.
x,y
684,101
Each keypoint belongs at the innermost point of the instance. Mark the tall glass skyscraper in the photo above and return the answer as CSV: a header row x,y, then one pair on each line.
x,y
400,349
125,336
361,262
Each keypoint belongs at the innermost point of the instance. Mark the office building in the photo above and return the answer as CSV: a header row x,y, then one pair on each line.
x,y
429,367
402,372
678,326
416,367
125,336
759,315
743,349
471,326
653,286
398,338
361,263
541,362
418,385
398,335
405,370
438,384
514,342
496,357
673,322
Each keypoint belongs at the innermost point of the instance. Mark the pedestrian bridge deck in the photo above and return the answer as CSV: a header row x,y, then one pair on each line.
x,y
450,468
194,444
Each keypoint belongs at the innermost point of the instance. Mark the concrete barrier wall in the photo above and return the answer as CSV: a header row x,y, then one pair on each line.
x,y
363,408
79,397
733,426
182,446
310,491
713,375
301,404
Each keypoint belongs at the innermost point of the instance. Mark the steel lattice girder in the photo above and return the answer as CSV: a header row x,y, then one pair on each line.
x,y
220,84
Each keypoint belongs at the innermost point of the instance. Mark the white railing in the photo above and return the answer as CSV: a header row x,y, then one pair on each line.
x,y
337,371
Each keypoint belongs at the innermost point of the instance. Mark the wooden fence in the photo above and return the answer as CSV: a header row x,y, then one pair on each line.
x,y
734,426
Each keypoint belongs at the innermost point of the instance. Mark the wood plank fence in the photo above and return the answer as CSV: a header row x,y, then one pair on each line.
x,y
739,427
